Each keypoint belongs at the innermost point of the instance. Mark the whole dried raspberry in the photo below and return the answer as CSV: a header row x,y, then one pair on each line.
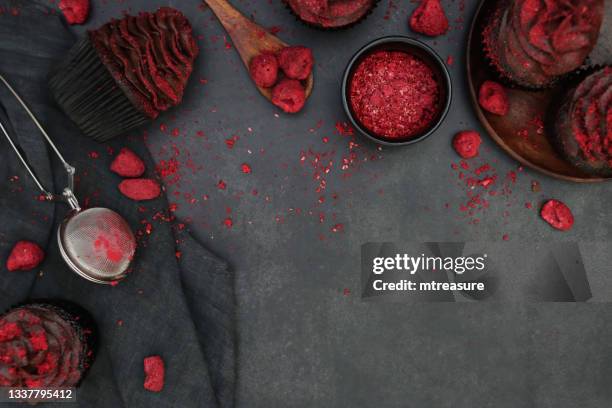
x,y
154,373
493,98
467,143
558,215
296,62
75,11
25,256
264,70
289,95
140,189
128,164
429,18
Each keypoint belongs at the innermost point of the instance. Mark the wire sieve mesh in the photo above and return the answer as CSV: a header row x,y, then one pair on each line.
x,y
98,244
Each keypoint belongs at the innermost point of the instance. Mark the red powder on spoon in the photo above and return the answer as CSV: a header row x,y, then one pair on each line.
x,y
394,94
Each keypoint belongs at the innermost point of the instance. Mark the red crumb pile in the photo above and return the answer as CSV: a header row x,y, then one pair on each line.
x,y
75,11
493,98
394,94
558,215
25,256
154,373
284,72
467,144
429,19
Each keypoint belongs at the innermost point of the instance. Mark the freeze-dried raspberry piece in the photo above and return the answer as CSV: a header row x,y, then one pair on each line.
x,y
493,98
289,95
128,164
264,70
558,215
296,62
429,18
467,143
25,256
140,189
154,373
75,11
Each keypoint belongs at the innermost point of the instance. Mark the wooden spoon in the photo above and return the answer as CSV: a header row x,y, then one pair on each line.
x,y
250,39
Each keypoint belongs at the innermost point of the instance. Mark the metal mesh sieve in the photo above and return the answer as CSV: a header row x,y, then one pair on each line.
x,y
98,244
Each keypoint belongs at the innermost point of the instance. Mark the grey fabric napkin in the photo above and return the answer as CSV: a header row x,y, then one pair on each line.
x,y
181,308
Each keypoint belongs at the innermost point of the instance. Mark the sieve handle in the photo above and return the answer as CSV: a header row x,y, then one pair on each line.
x,y
67,194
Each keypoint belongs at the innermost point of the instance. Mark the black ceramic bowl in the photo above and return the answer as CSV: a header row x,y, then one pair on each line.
x,y
419,50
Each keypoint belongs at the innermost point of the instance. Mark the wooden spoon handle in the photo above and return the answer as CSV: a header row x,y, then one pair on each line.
x,y
248,38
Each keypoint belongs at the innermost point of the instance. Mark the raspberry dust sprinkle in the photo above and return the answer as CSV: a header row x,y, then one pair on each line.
x,y
483,184
394,95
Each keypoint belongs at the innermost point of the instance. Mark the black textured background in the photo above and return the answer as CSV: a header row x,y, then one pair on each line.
x,y
306,339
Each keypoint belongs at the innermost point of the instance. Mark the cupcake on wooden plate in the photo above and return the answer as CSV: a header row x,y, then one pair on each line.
x,y
45,344
331,14
582,125
532,43
125,73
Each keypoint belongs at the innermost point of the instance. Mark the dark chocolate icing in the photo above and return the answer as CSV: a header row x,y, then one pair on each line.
x,y
532,42
150,56
40,347
330,13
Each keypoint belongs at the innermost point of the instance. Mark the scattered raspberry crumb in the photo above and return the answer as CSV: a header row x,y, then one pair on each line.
x,y
467,144
25,256
75,11
228,222
245,168
296,62
493,98
221,185
154,373
128,164
429,19
140,189
558,215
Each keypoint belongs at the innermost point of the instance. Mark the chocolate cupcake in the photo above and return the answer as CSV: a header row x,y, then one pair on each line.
x,y
46,344
532,43
582,125
125,73
331,14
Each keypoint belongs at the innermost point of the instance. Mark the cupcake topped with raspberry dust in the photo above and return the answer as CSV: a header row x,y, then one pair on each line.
x,y
45,345
582,125
330,14
532,43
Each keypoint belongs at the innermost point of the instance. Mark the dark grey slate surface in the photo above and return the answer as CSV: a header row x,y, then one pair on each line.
x,y
303,343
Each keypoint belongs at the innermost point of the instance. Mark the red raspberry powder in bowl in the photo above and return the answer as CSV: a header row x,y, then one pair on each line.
x,y
394,95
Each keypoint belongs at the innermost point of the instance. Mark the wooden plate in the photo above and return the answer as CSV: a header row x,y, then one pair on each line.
x,y
517,132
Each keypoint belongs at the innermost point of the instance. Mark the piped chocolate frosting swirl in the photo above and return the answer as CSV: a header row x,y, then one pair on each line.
x,y
584,123
150,56
40,347
533,42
